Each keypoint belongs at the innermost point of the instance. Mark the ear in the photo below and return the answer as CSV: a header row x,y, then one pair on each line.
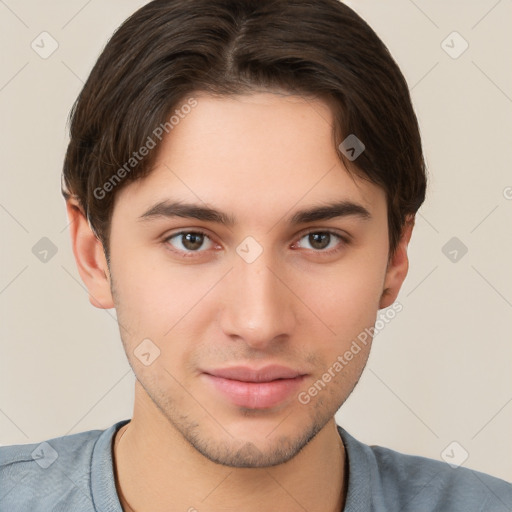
x,y
398,266
89,256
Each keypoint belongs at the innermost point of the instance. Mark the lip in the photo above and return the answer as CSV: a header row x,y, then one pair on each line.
x,y
255,388
248,374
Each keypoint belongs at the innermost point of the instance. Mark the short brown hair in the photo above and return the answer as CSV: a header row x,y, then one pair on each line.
x,y
170,50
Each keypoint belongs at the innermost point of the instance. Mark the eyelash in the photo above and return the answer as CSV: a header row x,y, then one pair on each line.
x,y
344,241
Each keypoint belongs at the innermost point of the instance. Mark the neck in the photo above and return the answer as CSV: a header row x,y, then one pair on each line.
x,y
156,470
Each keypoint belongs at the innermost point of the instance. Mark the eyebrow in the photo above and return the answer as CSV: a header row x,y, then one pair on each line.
x,y
337,209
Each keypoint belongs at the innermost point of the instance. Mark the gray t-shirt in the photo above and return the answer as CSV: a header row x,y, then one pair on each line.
x,y
75,473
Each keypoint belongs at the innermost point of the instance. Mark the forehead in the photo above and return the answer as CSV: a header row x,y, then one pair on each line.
x,y
243,152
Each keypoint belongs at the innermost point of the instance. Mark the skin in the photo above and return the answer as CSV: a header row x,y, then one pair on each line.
x,y
259,158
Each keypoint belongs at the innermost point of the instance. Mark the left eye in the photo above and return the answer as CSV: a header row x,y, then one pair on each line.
x,y
322,240
189,241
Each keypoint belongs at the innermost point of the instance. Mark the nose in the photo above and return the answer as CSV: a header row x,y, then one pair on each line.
x,y
257,307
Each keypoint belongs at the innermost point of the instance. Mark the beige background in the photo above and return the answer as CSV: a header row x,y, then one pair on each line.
x,y
440,372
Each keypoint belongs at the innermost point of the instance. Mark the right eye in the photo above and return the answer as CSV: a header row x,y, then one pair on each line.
x,y
189,241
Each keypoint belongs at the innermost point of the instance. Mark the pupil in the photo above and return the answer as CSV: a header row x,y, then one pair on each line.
x,y
319,240
193,241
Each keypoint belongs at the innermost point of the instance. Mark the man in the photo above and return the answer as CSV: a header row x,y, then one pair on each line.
x,y
242,179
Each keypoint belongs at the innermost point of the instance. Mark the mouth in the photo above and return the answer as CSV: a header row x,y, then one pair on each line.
x,y
255,389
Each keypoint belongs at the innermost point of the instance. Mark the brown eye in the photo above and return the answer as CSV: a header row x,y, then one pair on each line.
x,y
319,240
188,241
322,241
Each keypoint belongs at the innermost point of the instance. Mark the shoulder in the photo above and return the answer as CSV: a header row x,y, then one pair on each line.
x,y
408,482
422,480
50,475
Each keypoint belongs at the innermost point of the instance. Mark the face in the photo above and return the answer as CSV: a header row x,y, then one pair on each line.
x,y
249,245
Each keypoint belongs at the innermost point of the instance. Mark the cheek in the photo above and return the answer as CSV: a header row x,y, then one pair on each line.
x,y
157,299
346,297
142,299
